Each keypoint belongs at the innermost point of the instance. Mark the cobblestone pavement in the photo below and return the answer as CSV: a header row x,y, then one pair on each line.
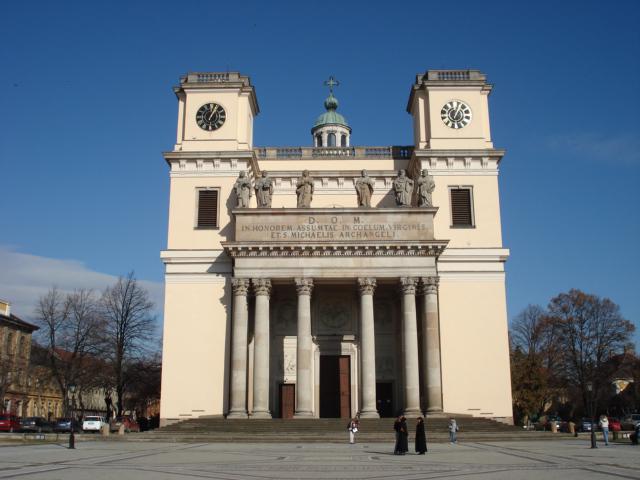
x,y
97,460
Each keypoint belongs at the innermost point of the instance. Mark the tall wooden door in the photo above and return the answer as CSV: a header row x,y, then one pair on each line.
x,y
335,386
287,400
345,386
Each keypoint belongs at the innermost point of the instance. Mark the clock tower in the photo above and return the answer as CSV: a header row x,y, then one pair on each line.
x,y
450,110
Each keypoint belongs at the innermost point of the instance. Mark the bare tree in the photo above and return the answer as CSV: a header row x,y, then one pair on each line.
x,y
71,331
130,328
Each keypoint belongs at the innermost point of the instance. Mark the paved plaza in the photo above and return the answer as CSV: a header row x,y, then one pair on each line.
x,y
97,460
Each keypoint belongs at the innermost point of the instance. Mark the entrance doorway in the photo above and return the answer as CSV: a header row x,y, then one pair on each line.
x,y
287,400
335,386
384,399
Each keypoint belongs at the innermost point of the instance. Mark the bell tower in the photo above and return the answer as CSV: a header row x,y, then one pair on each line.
x,y
331,129
215,112
450,110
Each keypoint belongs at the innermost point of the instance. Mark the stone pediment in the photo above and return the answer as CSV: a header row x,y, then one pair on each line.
x,y
322,232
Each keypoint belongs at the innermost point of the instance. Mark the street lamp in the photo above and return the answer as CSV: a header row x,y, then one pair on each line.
x,y
589,386
72,435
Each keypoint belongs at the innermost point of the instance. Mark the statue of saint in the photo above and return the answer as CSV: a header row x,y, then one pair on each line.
x,y
403,188
242,188
304,190
425,186
364,189
264,190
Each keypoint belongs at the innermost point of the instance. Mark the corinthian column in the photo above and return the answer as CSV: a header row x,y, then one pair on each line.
x,y
431,345
262,290
368,347
238,393
304,382
410,350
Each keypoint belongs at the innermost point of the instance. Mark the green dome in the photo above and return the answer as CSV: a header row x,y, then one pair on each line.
x,y
331,117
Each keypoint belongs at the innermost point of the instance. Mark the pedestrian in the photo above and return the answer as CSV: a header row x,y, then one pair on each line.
x,y
404,436
354,426
396,428
604,425
453,430
421,437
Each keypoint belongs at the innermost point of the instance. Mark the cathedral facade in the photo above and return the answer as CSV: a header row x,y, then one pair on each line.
x,y
331,279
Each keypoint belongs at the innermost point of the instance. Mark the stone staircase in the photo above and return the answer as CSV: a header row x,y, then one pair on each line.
x,y
331,430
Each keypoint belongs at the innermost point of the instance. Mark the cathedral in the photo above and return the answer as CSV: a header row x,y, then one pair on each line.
x,y
333,279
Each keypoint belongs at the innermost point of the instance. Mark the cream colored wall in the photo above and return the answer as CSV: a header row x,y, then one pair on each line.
x,y
194,349
474,347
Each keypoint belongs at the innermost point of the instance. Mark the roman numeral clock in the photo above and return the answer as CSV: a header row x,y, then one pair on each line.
x,y
210,116
456,114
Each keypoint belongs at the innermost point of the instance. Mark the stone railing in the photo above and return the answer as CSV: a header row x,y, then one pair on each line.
x,y
454,75
334,152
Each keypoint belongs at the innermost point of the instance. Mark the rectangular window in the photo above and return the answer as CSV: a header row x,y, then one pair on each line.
x,y
207,209
461,207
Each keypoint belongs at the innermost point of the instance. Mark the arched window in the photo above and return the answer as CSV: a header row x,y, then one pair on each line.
x,y
332,139
319,140
343,140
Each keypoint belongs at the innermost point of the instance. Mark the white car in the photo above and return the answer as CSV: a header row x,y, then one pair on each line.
x,y
93,424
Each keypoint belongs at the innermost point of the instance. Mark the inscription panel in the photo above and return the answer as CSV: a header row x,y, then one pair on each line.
x,y
334,225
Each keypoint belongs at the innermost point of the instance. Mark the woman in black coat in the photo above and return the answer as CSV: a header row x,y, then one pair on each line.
x,y
421,437
404,436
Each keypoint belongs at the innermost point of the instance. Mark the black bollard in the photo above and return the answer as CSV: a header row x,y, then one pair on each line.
x,y
72,440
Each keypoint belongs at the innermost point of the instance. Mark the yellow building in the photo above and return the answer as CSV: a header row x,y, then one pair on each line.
x,y
373,283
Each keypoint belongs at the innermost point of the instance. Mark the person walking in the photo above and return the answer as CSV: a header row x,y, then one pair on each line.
x,y
453,431
396,428
421,437
404,436
604,425
354,426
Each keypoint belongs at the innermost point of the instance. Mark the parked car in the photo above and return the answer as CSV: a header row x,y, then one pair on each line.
x,y
130,425
66,425
585,425
614,424
93,424
35,424
9,423
630,421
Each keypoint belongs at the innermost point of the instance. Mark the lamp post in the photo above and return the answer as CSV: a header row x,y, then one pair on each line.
x,y
589,386
72,426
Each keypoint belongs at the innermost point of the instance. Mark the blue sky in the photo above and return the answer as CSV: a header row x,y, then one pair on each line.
x,y
87,109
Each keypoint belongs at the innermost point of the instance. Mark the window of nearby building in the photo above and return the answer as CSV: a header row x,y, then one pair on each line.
x,y
207,208
461,207
343,141
332,139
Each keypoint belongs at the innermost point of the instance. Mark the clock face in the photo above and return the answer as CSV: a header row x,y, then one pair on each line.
x,y
456,114
210,116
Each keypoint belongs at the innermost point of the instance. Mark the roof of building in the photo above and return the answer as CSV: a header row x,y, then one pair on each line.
x,y
330,117
15,322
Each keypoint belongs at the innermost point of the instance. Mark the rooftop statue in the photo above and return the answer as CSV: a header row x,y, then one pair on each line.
x,y
264,190
403,188
242,188
364,189
425,186
304,190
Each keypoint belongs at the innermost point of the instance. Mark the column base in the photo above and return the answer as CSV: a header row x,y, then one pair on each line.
x,y
412,413
303,414
369,414
264,414
237,414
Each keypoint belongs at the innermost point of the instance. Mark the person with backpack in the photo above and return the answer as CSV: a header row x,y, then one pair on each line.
x,y
353,427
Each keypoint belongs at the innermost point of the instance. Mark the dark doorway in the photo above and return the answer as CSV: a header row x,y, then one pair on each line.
x,y
384,399
287,400
335,386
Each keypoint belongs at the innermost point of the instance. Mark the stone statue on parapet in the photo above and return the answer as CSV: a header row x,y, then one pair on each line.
x,y
403,189
425,186
304,190
364,189
242,188
264,190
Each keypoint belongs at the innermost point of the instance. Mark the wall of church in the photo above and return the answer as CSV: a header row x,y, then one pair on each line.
x,y
474,346
195,346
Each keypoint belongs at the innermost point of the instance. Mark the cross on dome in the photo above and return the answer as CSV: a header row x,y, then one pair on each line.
x,y
332,82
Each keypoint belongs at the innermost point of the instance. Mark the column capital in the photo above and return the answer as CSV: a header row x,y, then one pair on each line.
x,y
304,286
367,285
261,286
430,285
408,285
240,285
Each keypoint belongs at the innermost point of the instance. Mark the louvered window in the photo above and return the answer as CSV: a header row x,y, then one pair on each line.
x,y
207,208
461,207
